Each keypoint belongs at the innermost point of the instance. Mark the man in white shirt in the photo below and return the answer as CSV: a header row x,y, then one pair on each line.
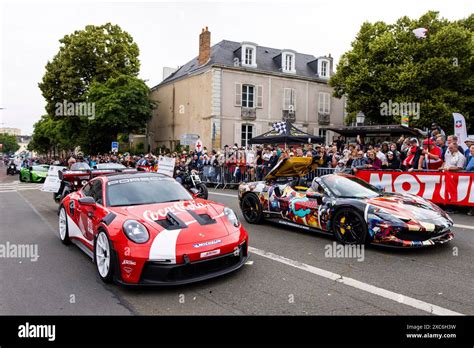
x,y
454,160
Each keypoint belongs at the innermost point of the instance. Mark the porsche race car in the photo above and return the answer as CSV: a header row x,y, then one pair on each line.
x,y
146,229
342,205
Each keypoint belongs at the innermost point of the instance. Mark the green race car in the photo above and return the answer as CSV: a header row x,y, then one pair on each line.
x,y
36,173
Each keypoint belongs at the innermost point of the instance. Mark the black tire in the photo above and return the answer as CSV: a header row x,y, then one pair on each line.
x,y
349,227
21,178
203,192
63,237
31,177
109,277
252,209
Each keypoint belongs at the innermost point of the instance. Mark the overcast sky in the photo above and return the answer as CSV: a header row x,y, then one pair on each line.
x,y
167,34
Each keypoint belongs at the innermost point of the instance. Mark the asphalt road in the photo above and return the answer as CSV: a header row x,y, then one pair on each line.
x,y
287,273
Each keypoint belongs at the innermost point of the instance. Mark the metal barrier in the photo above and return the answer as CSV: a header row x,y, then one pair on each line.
x,y
232,175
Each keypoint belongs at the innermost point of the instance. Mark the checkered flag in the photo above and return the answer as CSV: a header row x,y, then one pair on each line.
x,y
280,127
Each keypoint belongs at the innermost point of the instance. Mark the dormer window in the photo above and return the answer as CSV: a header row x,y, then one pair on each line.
x,y
249,55
323,68
288,63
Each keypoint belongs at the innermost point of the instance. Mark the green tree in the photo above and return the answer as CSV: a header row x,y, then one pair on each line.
x,y
122,105
387,62
9,143
94,54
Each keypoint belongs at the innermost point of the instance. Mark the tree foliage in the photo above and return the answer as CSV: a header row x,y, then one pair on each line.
x,y
96,65
9,143
387,62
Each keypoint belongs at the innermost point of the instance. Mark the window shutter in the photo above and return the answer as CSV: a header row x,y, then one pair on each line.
x,y
237,132
286,98
238,94
260,96
328,103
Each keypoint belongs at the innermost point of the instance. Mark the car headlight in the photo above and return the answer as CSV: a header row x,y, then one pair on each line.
x,y
135,231
230,215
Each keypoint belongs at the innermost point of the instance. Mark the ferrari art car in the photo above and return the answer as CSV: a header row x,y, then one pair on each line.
x,y
35,173
348,208
146,229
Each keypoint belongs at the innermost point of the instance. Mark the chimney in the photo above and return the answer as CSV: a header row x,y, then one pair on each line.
x,y
204,46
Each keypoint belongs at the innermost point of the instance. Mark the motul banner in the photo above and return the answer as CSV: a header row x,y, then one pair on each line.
x,y
439,187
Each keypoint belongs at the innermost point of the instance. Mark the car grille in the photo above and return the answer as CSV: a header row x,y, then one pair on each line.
x,y
154,272
422,235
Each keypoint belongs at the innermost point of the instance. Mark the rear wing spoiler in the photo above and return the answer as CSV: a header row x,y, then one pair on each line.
x,y
88,174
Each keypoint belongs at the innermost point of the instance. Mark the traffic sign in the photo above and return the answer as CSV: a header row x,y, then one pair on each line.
x,y
115,146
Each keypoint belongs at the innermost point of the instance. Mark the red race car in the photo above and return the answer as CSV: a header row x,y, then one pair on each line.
x,y
146,229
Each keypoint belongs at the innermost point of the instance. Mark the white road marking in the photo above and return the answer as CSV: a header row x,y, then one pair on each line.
x,y
463,226
15,186
409,301
222,194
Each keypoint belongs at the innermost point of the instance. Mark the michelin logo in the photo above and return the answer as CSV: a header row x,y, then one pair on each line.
x,y
212,242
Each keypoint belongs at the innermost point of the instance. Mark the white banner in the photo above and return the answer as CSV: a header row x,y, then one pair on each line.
x,y
166,166
460,129
52,182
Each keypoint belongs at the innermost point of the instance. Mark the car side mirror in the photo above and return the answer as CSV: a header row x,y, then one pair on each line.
x,y
87,201
315,195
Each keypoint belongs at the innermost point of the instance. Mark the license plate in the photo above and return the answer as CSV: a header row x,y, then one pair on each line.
x,y
210,253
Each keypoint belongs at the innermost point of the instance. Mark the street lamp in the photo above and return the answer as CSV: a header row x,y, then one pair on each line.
x,y
360,118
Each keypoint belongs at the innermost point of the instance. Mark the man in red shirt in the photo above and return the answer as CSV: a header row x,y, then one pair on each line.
x,y
431,156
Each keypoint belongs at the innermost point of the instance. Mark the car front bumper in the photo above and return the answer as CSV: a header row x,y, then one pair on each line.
x,y
161,274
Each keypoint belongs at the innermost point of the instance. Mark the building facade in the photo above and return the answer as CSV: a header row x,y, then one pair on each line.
x,y
234,91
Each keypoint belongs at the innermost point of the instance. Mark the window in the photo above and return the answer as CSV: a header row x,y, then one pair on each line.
x,y
288,62
247,134
324,103
322,133
248,56
96,191
248,96
324,69
289,99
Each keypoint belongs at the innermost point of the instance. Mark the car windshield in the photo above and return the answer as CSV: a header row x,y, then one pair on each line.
x,y
110,166
144,190
80,166
40,168
350,187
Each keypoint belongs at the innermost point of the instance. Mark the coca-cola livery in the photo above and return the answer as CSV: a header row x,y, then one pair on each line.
x,y
347,207
145,228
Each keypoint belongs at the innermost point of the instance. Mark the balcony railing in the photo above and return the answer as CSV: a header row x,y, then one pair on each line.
x,y
324,119
289,115
248,114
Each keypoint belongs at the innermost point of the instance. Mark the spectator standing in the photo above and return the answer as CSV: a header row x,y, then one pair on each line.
x,y
454,159
431,156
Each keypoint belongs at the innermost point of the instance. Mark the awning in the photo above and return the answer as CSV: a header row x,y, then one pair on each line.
x,y
291,135
377,130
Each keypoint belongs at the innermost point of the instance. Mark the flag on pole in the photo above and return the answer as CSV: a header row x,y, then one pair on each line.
x,y
280,127
460,129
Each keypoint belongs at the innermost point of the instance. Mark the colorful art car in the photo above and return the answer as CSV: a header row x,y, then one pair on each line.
x,y
348,208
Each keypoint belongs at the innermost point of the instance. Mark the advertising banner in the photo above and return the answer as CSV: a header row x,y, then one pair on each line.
x,y
455,188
